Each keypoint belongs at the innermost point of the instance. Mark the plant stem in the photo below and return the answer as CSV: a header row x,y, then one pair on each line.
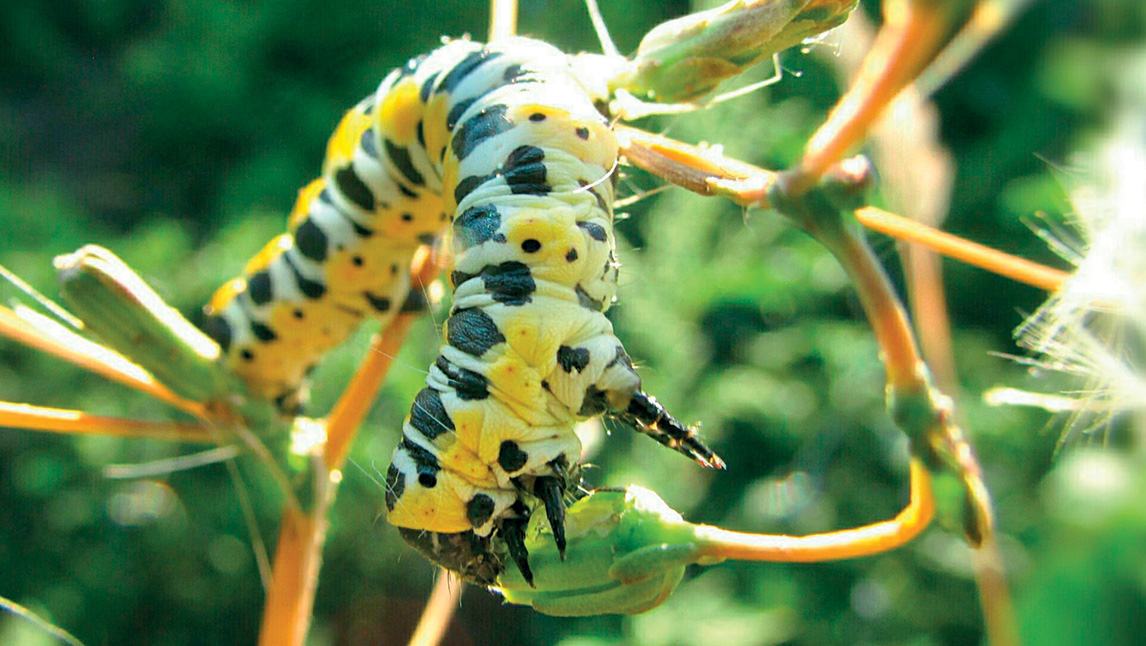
x,y
911,36
877,297
844,544
439,610
57,420
290,599
709,173
44,334
920,410
298,556
971,253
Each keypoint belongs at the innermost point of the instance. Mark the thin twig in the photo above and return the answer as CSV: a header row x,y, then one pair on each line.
x,y
439,610
953,246
708,172
58,420
502,19
41,333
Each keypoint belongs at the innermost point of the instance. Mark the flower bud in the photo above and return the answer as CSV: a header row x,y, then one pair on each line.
x,y
684,59
626,552
125,314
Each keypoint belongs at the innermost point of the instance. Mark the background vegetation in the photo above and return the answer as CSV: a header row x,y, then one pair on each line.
x,y
177,133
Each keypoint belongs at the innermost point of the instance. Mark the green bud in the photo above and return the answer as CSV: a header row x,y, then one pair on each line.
x,y
626,553
125,314
684,59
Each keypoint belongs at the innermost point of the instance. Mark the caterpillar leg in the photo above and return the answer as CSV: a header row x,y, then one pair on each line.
x,y
550,490
513,532
647,415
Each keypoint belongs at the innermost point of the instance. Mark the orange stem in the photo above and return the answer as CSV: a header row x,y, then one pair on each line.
x,y
972,253
439,610
290,598
51,338
844,544
56,420
928,307
356,400
913,32
358,397
688,166
708,173
998,609
888,320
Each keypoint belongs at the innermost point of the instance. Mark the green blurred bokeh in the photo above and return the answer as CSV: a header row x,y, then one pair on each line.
x,y
177,134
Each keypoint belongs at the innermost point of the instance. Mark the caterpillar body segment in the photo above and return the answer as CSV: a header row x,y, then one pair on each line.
x,y
525,159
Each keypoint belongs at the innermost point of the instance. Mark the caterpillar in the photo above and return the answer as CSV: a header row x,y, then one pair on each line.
x,y
526,160
509,144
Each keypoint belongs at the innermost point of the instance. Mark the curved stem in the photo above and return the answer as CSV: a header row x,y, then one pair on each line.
x,y
912,34
921,411
917,170
844,544
877,297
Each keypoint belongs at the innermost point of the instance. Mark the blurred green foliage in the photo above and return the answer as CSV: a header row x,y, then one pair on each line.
x,y
177,134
